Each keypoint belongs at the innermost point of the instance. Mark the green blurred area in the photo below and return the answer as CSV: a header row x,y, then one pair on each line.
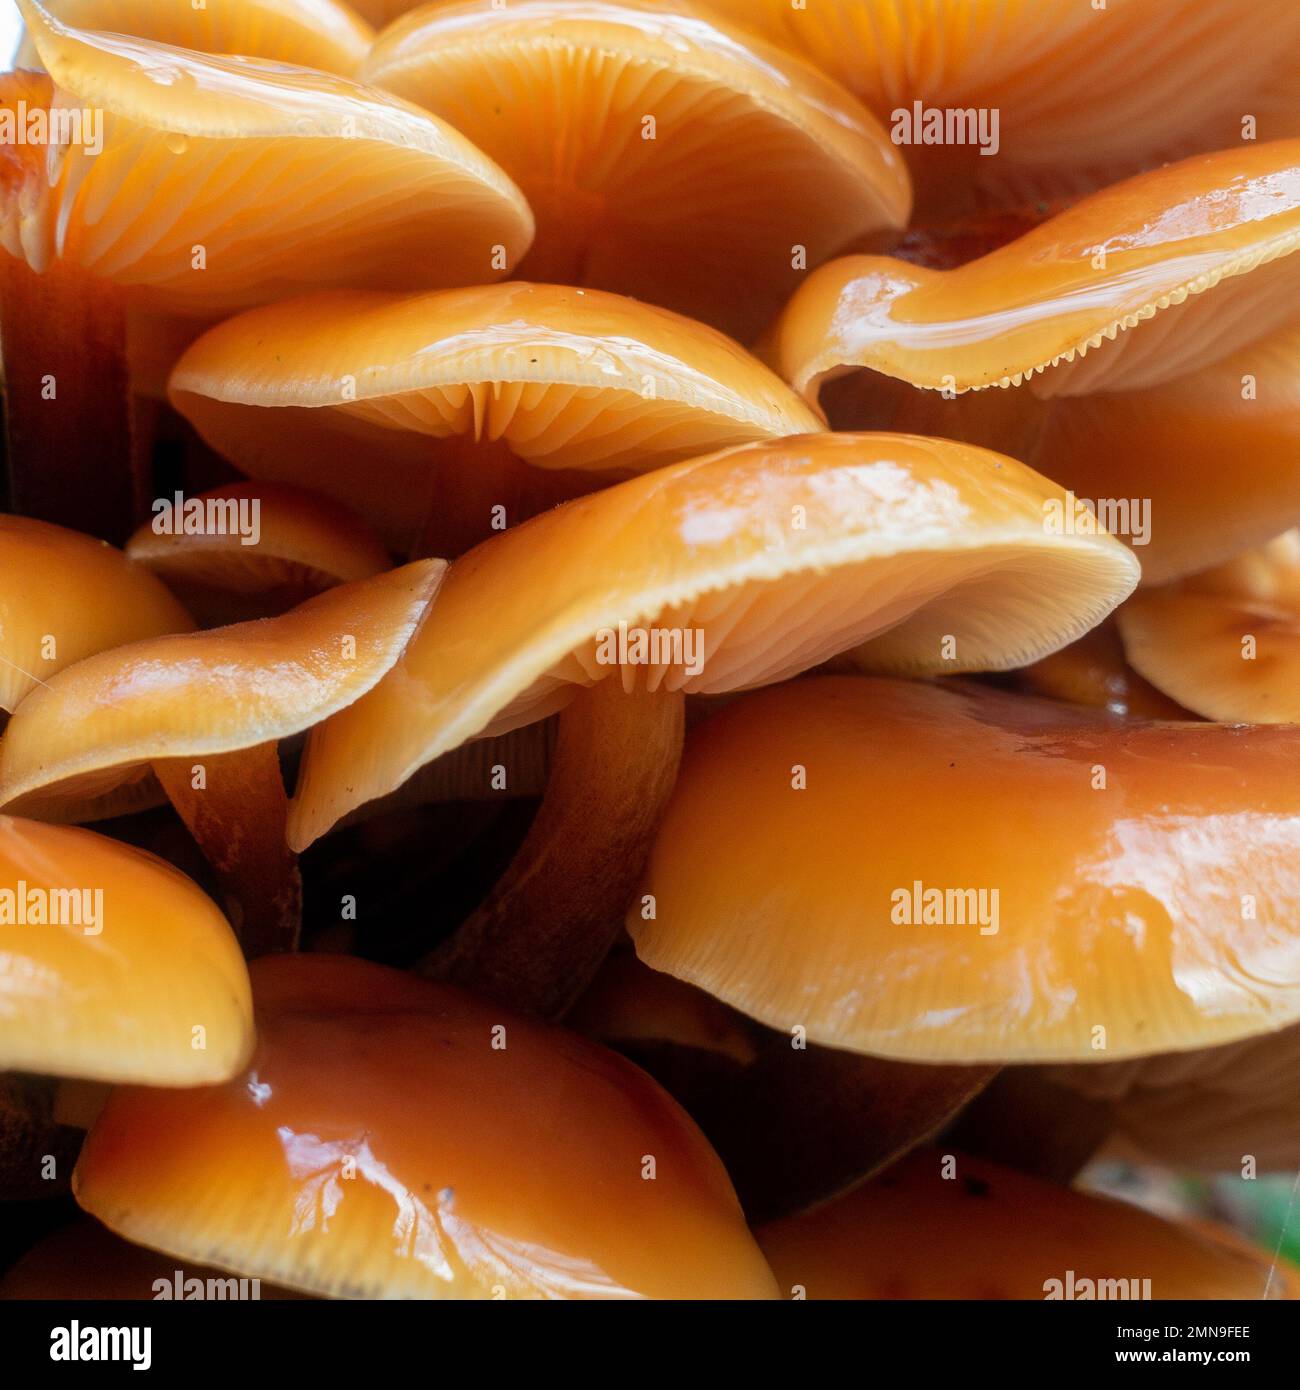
x,y
1264,1209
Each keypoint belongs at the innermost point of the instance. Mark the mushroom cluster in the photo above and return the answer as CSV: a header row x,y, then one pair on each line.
x,y
680,626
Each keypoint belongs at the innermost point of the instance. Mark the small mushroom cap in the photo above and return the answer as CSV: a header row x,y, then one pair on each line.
x,y
140,979
273,546
286,177
337,391
776,555
1118,908
1145,281
94,725
65,596
988,1232
666,155
1227,659
1225,643
1092,671
394,1137
312,33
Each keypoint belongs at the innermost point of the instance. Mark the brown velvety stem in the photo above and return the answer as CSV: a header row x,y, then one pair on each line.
x,y
30,1135
796,1127
1025,1122
473,477
541,934
238,820
78,459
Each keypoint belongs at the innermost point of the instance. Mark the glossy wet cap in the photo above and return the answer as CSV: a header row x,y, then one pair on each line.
x,y
396,1138
113,965
666,155
235,180
254,549
320,34
948,872
1140,283
948,1226
64,596
213,692
767,559
352,392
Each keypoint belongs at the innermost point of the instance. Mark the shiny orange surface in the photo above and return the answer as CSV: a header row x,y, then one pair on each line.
x,y
1153,913
113,965
780,554
1163,452
1203,248
380,1146
312,33
211,692
286,177
369,396
986,1232
64,596
559,94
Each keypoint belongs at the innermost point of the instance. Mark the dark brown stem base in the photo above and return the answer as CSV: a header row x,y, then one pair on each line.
x,y
76,453
482,488
237,818
544,930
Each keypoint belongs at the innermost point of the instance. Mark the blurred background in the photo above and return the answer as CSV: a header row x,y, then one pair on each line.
x,y
10,26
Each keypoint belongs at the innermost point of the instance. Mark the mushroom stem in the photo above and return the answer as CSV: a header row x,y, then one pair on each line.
x,y
30,1136
77,454
77,1103
541,934
237,815
482,487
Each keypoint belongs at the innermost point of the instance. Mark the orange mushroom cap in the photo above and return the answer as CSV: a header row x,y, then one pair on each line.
x,y
114,966
1142,282
313,33
634,131
778,555
350,393
1154,457
1083,93
64,596
272,546
397,1138
281,178
1092,671
954,873
947,1226
96,723
1225,643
